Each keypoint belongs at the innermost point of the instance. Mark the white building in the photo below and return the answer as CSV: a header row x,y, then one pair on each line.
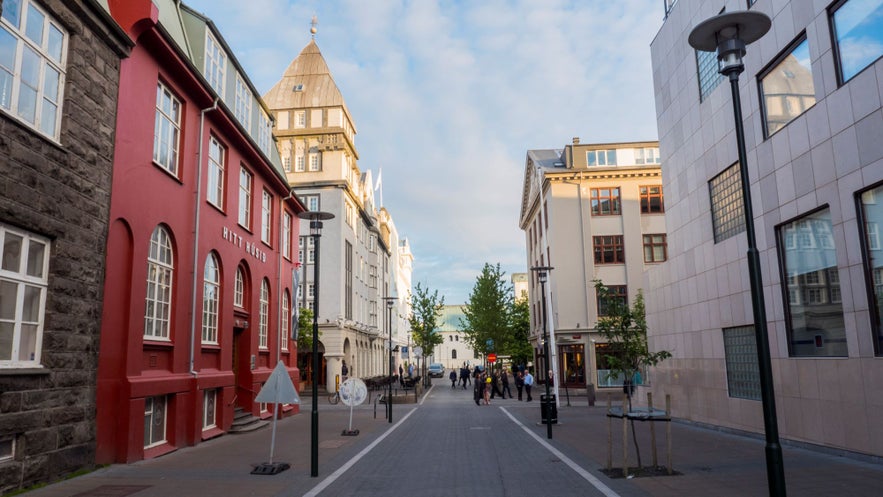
x,y
810,95
454,351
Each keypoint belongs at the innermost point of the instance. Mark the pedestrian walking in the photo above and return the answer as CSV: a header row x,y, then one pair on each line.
x,y
495,385
478,389
453,377
504,378
486,381
519,383
464,376
401,376
528,384
344,371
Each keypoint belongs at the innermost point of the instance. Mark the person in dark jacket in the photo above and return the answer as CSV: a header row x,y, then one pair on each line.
x,y
519,383
504,378
453,377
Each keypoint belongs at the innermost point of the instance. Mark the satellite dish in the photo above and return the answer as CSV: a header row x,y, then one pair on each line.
x,y
353,392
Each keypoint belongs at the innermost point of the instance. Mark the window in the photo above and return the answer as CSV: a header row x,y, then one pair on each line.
x,y
348,281
154,421
647,156
601,157
211,288
453,353
209,401
299,164
651,199
786,88
286,235
858,35
215,63
609,250
707,72
311,202
871,215
314,162
159,285
216,153
23,283
264,326
166,129
614,295
815,318
264,132
286,320
7,448
740,351
242,106
286,164
33,49
239,288
655,248
727,215
300,119
245,182
266,217
605,201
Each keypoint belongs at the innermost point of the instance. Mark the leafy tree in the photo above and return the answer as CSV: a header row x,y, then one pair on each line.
x,y
494,322
305,330
425,311
625,329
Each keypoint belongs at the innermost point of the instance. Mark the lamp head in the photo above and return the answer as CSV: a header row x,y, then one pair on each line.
x,y
315,218
728,34
542,272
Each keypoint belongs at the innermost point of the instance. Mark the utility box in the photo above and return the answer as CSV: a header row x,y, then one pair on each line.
x,y
548,407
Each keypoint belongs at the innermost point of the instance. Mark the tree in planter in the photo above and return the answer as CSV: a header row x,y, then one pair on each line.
x,y
425,311
625,329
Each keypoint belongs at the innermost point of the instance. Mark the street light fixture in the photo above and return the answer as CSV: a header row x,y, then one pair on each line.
x,y
315,218
546,408
390,302
728,34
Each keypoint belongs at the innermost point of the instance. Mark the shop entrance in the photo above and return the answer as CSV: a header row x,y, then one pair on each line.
x,y
572,365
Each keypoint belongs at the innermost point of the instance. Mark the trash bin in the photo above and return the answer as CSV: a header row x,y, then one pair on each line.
x,y
550,407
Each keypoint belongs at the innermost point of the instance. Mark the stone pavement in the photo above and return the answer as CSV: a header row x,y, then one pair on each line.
x,y
710,462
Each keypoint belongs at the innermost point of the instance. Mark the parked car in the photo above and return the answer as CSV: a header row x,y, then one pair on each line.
x,y
436,370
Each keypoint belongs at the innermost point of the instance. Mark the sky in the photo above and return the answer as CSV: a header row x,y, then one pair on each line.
x,y
448,96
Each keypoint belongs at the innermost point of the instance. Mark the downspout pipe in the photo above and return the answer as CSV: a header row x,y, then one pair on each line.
x,y
196,211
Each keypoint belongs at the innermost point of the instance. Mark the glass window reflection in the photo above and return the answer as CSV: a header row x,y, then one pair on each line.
x,y
872,219
787,88
858,35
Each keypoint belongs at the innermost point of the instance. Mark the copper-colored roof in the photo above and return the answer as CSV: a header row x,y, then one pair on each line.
x,y
318,88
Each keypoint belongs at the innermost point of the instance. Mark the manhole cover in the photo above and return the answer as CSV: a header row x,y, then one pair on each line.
x,y
112,491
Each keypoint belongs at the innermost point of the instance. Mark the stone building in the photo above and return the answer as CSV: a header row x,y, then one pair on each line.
x,y
56,156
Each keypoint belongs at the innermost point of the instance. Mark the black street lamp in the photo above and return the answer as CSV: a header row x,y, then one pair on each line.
x,y
390,302
728,34
542,275
315,218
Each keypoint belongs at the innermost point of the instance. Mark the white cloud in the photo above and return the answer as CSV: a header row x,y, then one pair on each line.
x,y
448,96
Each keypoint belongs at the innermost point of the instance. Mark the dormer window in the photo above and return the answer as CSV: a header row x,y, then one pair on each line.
x,y
297,88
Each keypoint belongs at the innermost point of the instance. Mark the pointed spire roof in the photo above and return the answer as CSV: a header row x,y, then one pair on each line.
x,y
307,83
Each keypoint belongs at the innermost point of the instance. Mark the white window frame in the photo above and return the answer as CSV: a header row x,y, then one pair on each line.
x,y
215,63
217,158
48,55
211,290
242,107
286,235
264,133
285,318
26,274
150,411
311,202
160,273
239,288
166,129
209,409
263,327
246,182
299,164
300,119
266,217
314,162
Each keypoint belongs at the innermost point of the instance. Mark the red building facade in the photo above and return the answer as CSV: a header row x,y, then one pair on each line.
x,y
198,288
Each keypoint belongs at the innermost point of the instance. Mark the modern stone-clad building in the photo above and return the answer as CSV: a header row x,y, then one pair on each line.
x,y
593,211
56,154
811,99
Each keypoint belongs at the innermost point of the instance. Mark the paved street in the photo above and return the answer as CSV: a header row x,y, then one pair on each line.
x,y
448,446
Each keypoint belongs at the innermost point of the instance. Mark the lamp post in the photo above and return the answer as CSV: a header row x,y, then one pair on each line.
x,y
390,302
542,275
315,218
728,34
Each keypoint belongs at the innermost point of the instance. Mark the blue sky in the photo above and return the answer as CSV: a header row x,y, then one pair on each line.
x,y
448,96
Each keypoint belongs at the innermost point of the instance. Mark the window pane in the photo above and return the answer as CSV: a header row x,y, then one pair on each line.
x,y
50,83
7,49
727,216
815,314
872,219
31,311
56,42
47,118
12,11
27,348
788,89
12,245
858,29
740,349
8,297
6,330
34,28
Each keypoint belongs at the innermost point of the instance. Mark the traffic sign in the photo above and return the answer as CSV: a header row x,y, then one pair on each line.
x,y
492,357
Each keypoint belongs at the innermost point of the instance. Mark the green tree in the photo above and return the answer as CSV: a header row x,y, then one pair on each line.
x,y
625,329
493,321
426,309
305,330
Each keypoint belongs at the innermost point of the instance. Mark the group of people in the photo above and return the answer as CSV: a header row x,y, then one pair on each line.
x,y
488,385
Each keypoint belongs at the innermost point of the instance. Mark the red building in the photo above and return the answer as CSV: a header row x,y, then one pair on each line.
x,y
198,288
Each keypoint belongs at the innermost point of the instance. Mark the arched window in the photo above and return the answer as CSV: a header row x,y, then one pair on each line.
x,y
263,331
159,285
210,297
453,353
239,289
286,321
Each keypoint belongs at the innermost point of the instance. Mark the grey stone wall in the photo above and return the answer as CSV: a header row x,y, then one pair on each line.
x,y
62,191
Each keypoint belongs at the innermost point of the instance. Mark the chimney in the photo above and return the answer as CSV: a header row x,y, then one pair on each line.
x,y
576,140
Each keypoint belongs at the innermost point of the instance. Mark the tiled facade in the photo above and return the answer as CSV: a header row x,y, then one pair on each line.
x,y
814,128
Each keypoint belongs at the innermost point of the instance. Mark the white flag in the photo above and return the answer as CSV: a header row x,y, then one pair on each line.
x,y
377,183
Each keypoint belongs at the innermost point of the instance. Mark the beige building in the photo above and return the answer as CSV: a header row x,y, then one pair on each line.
x,y
593,212
811,97
362,258
454,351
